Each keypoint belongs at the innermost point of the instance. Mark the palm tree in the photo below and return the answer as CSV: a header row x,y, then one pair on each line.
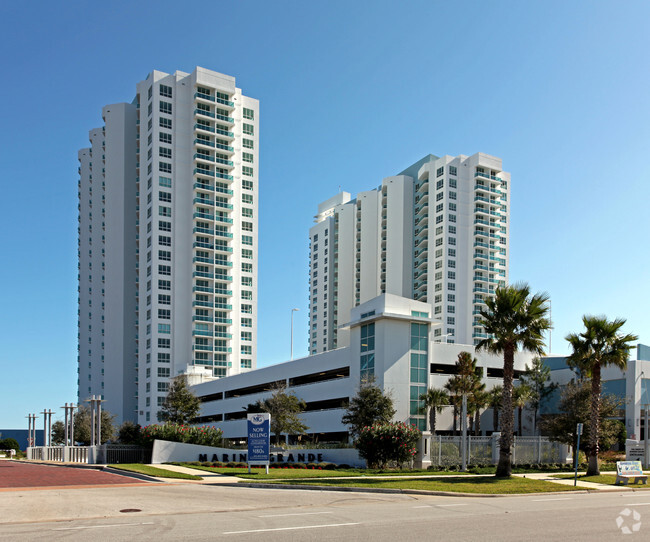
x,y
600,345
495,396
520,396
515,319
452,387
478,401
435,399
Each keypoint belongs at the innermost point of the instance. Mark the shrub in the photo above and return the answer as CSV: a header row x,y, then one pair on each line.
x,y
382,443
204,435
9,444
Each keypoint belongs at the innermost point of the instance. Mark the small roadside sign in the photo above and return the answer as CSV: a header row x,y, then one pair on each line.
x,y
259,438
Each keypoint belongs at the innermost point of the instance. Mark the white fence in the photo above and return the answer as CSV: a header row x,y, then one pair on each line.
x,y
442,450
106,453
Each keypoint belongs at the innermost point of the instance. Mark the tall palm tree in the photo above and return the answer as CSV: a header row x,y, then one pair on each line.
x,y
495,396
600,345
520,396
452,387
435,399
514,320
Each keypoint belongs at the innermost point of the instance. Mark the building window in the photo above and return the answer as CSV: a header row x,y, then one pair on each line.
x,y
166,107
247,171
164,137
165,123
440,171
247,185
165,152
164,328
165,91
247,239
248,129
249,114
246,349
164,211
165,182
367,360
247,143
247,212
452,183
247,157
453,170
419,337
163,372
165,167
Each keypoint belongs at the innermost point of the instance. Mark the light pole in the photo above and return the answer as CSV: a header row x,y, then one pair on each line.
x,y
550,329
440,337
292,311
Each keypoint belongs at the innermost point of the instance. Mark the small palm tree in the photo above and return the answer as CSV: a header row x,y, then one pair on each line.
x,y
514,320
600,345
452,387
520,396
478,401
435,399
495,396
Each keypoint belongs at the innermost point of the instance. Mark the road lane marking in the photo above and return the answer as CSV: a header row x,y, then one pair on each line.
x,y
101,526
558,499
638,504
292,528
300,514
452,504
425,506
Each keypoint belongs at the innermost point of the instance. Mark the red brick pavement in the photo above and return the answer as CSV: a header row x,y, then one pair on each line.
x,y
15,474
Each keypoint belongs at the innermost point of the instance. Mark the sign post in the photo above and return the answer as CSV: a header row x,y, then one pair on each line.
x,y
578,433
259,438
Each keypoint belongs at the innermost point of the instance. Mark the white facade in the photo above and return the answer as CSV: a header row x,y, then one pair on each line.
x,y
392,339
168,240
437,233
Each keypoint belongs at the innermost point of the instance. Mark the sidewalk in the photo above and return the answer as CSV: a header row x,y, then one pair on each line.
x,y
569,482
208,477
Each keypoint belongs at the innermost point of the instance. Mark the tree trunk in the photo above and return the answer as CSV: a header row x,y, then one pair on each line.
x,y
495,419
432,421
504,468
520,412
535,421
455,419
594,422
477,422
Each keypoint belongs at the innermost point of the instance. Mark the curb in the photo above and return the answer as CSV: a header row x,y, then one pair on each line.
x,y
261,485
130,474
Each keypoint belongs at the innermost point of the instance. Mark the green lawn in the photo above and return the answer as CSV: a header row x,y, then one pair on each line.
x,y
274,474
459,484
154,471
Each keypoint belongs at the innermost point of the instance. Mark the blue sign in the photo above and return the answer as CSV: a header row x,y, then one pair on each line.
x,y
259,437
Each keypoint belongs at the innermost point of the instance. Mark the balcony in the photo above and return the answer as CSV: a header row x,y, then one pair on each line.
x,y
481,244
223,176
224,162
219,233
205,216
204,289
224,133
222,248
479,335
223,306
207,231
204,186
479,290
225,349
222,219
221,291
483,267
223,191
203,274
222,205
223,321
207,304
222,263
204,113
201,332
222,335
204,127
206,157
196,318
205,142
486,176
204,201
203,348
201,259
225,118
225,102
198,244
203,96
203,171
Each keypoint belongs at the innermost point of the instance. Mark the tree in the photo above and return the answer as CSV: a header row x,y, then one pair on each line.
x,y
452,387
129,433
82,422
537,378
58,433
369,406
495,396
466,381
435,400
520,396
514,320
383,443
574,406
9,444
477,401
600,345
285,409
180,405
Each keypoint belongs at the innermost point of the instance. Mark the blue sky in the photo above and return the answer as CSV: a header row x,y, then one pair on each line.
x,y
350,92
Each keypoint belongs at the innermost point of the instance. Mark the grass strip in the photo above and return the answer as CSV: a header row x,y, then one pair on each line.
x,y
460,484
154,471
294,474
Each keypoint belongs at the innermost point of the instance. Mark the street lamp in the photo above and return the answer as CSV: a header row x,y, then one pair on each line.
x,y
292,311
440,337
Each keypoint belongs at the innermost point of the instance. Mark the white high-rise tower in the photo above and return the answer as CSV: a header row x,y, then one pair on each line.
x,y
168,201
437,232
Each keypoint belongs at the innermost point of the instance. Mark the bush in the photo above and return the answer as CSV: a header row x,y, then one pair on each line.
x,y
9,444
204,435
382,443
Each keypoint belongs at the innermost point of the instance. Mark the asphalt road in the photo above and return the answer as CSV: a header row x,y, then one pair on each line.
x,y
200,512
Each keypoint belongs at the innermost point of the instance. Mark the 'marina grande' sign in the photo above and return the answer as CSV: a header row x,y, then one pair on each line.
x,y
274,458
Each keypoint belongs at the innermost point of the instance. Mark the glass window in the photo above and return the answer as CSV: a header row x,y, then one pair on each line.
x,y
166,91
249,114
419,337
